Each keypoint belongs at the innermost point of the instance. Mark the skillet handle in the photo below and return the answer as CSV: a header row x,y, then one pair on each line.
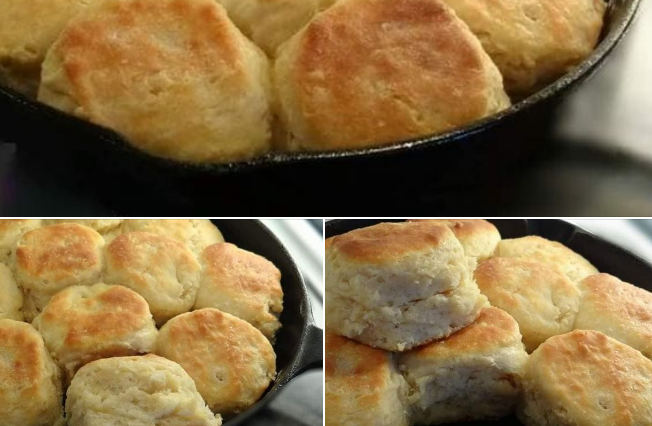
x,y
312,356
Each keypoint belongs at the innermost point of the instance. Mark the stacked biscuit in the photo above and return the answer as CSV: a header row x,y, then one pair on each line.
x,y
95,292
408,288
224,80
588,333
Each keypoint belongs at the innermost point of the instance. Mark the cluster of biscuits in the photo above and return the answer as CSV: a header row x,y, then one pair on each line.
x,y
222,80
417,334
136,322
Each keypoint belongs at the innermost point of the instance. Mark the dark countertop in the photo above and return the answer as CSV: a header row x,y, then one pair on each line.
x,y
598,161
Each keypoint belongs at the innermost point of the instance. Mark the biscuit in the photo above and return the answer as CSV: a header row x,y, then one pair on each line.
x,y
585,378
617,309
10,231
543,301
363,386
11,298
102,226
398,285
27,30
373,72
533,42
399,328
474,374
231,362
197,234
30,382
327,242
175,77
242,284
550,253
162,270
136,391
85,323
49,259
478,237
269,23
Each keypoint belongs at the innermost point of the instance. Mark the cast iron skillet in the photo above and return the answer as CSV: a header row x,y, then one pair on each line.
x,y
482,149
603,255
299,344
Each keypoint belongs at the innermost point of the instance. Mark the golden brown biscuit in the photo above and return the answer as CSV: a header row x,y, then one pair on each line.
x,y
243,284
398,285
197,234
618,309
373,72
49,259
102,226
542,300
269,23
231,362
533,42
85,323
363,386
475,374
551,253
27,30
30,382
136,391
162,270
585,378
478,237
176,77
11,298
10,231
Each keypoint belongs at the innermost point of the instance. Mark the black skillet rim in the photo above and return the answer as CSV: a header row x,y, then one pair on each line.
x,y
115,141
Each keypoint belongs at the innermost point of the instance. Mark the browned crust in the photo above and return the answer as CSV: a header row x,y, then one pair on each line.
x,y
369,72
241,269
491,329
390,241
58,251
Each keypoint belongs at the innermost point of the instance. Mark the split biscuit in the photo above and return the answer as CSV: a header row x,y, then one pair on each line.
x,y
475,374
398,285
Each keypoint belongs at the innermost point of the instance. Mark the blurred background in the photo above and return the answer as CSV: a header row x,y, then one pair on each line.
x,y
634,235
301,401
